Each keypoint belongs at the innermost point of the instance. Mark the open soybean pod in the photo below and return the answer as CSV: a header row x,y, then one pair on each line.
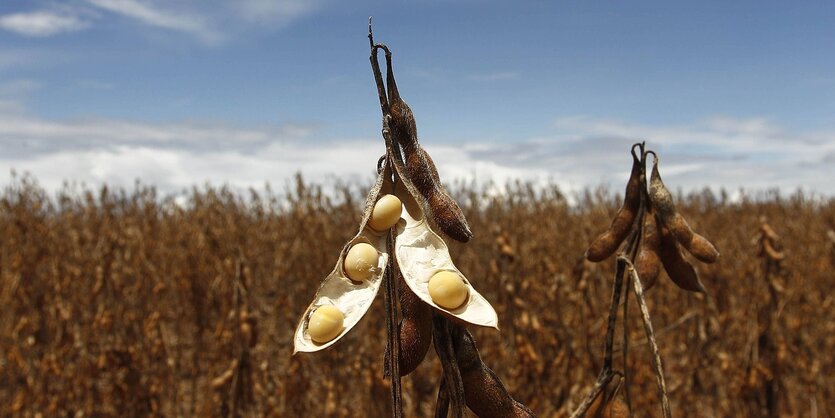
x,y
422,255
662,201
608,242
352,296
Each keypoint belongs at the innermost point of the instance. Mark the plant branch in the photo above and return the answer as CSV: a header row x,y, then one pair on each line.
x,y
638,288
392,322
443,337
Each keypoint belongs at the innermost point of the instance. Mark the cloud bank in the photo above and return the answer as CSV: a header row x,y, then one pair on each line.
x,y
582,152
41,23
209,21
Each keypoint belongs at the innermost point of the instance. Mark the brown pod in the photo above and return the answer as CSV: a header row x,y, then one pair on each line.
x,y
768,232
680,271
421,169
662,201
485,394
607,243
415,329
772,252
648,262
614,407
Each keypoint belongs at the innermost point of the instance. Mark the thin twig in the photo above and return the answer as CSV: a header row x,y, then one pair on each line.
x,y
625,347
375,67
602,380
442,404
606,373
613,317
392,321
442,336
678,322
638,288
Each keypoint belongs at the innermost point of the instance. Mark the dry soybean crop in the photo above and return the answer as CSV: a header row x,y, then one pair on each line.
x,y
116,301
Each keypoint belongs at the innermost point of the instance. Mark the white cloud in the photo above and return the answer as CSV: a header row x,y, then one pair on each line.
x,y
148,14
271,11
720,152
172,170
44,136
210,21
41,23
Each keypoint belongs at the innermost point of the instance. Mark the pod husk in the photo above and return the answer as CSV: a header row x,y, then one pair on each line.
x,y
484,392
648,261
421,170
662,201
608,242
680,271
352,298
421,253
415,329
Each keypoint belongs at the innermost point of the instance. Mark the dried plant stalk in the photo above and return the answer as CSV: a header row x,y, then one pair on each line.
x,y
656,357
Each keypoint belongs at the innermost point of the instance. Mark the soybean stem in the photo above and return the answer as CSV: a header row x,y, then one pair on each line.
x,y
392,322
631,251
442,404
606,373
443,340
375,67
638,288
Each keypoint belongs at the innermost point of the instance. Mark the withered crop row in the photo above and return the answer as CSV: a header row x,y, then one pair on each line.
x,y
114,301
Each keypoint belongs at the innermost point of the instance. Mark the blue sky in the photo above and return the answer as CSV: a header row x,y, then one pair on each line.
x,y
177,92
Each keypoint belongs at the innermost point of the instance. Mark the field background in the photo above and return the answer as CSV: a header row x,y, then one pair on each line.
x,y
123,303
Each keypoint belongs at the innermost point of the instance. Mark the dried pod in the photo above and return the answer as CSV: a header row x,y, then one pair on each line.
x,y
662,201
420,168
415,329
226,377
771,252
485,394
767,231
445,210
680,271
614,407
352,298
421,253
608,242
648,262
609,403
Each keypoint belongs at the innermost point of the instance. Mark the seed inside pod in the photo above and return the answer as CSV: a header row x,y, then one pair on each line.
x,y
361,262
386,213
448,290
325,323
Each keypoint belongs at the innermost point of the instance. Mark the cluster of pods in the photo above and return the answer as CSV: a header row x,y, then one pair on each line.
x,y
397,243
421,255
649,215
407,191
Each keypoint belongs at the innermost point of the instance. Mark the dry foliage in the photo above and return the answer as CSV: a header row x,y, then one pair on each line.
x,y
117,303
